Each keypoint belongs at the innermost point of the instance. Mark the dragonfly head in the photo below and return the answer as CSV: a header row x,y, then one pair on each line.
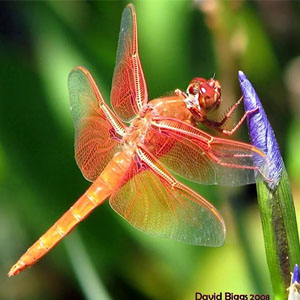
x,y
206,92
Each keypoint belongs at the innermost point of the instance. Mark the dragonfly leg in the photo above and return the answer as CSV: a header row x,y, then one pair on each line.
x,y
231,110
217,125
179,92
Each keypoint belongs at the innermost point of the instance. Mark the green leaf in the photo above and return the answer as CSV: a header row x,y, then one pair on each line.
x,y
280,232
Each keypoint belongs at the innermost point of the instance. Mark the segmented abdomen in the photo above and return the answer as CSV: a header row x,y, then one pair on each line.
x,y
93,197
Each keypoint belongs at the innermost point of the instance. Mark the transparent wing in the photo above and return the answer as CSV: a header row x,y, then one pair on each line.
x,y
200,157
129,90
151,204
94,143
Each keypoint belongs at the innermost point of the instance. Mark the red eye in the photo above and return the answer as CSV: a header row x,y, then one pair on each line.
x,y
203,91
214,84
207,91
192,89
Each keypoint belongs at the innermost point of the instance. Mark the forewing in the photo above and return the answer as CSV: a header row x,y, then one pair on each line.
x,y
129,90
197,156
94,146
151,204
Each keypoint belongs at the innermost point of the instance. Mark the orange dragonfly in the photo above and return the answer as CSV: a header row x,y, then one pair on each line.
x,y
131,163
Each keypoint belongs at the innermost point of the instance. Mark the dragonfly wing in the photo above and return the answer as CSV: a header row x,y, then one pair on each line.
x,y
152,204
181,156
200,157
94,146
129,90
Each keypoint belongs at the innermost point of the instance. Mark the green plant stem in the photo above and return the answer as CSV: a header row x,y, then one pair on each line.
x,y
90,283
280,233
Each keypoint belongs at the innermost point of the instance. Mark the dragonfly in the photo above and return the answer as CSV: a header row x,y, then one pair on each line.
x,y
128,153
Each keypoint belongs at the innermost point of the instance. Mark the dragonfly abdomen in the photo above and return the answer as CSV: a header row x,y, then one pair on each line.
x,y
93,197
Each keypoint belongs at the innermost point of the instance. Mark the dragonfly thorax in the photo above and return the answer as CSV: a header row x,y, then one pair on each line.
x,y
136,132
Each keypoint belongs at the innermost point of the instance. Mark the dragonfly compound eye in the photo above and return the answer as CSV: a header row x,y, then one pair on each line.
x,y
193,89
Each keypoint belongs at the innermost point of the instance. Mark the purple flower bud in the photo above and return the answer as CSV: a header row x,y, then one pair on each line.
x,y
294,288
295,277
261,133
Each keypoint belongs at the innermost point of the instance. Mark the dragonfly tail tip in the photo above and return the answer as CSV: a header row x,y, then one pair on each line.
x,y
16,269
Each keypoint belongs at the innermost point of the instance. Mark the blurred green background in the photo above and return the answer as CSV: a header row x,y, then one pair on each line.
x,y
104,258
